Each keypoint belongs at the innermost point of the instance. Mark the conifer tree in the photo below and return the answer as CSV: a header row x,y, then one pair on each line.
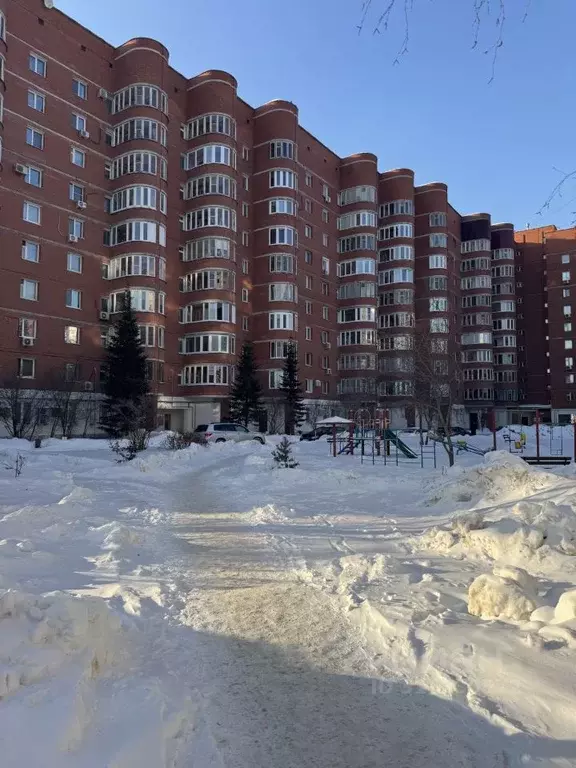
x,y
291,388
245,397
282,455
126,383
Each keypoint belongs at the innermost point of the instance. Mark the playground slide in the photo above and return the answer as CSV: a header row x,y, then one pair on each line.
x,y
402,447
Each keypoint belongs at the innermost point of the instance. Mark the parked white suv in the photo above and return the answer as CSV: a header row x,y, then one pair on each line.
x,y
220,433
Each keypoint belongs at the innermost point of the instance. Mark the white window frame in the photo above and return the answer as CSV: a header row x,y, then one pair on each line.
x,y
70,257
26,282
75,152
36,63
36,101
28,206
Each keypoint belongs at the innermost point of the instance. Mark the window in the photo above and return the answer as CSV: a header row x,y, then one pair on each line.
x,y
31,212
79,122
37,64
325,265
283,178
569,363
309,388
245,266
245,294
471,246
246,181
325,313
565,259
285,205
245,239
36,101
565,277
217,123
356,219
282,292
140,96
26,368
26,328
73,298
402,229
354,290
325,216
138,231
208,248
78,157
357,267
503,253
437,219
244,323
138,197
307,230
439,325
275,379
140,128
325,240
479,281
437,261
357,315
357,243
29,290
568,344
199,343
282,236
308,205
391,276
210,154
481,263
308,307
567,327
308,179
439,241
80,89
282,149
216,216
439,304
33,176
396,208
2,27
75,227
30,251
308,333
567,310
279,349
34,138
308,359
396,253
72,334
397,320
220,311
138,162
357,195
76,192
308,257
74,263
281,262
281,320
308,282
326,288
438,283
193,375
565,293
245,153
362,338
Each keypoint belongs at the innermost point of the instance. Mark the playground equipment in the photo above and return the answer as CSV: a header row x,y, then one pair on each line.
x,y
462,445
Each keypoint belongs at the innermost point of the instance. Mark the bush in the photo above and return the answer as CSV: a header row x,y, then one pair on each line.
x,y
136,442
176,441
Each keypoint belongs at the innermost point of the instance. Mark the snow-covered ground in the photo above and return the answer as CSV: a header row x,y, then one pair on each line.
x,y
201,608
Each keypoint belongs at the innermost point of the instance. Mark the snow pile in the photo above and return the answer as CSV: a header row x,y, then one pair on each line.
x,y
40,635
269,513
502,477
506,593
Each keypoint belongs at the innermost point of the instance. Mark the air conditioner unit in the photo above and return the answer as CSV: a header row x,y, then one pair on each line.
x,y
317,383
328,198
20,169
27,341
328,371
103,94
84,134
81,204
73,238
88,386
104,315
327,345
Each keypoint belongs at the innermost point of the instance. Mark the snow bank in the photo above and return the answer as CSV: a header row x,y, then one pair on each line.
x,y
502,477
506,593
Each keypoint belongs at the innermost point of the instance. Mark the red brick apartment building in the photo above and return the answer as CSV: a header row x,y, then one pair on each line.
x,y
228,222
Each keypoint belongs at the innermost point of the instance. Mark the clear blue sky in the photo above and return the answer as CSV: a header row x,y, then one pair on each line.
x,y
496,145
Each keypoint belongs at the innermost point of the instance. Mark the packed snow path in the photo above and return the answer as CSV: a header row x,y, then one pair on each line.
x,y
270,619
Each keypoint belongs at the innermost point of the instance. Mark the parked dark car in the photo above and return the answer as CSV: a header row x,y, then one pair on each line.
x,y
318,432
455,431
